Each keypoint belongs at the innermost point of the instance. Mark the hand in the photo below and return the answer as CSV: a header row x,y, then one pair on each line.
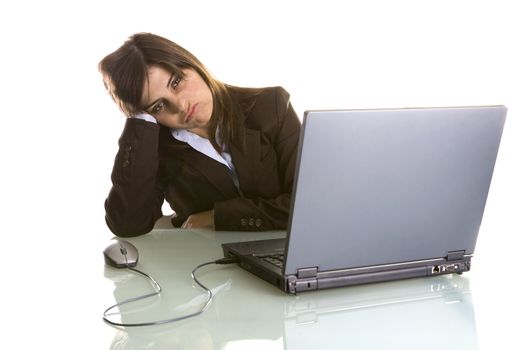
x,y
203,219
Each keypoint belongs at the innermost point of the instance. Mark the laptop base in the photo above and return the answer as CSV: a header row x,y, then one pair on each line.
x,y
250,255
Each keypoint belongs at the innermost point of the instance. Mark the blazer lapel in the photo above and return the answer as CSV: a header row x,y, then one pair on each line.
x,y
216,173
245,163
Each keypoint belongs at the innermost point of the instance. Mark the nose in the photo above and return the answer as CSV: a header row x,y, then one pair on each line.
x,y
176,103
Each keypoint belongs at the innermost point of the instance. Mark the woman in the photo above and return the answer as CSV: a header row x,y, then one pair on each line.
x,y
221,156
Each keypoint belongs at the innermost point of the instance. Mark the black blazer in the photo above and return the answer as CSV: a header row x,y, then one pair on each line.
x,y
151,165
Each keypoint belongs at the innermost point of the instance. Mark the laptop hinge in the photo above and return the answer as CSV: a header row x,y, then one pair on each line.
x,y
306,280
307,272
456,255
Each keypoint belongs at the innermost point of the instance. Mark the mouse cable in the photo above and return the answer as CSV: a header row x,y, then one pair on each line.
x,y
222,261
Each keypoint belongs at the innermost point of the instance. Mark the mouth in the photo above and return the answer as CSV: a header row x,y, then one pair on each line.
x,y
189,114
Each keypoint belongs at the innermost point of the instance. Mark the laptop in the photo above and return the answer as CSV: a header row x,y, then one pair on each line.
x,y
381,195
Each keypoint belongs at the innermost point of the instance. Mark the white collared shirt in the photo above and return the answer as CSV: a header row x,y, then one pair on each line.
x,y
195,141
202,145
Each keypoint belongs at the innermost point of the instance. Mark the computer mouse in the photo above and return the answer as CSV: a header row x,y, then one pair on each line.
x,y
121,253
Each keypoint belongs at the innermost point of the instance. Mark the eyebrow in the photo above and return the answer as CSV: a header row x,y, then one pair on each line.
x,y
145,108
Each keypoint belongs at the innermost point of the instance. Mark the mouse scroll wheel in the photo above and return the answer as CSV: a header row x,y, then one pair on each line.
x,y
123,251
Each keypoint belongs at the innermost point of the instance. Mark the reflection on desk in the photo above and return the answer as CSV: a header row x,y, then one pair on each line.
x,y
246,312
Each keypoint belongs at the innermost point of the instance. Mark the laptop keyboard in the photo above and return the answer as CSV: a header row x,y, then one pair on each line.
x,y
274,259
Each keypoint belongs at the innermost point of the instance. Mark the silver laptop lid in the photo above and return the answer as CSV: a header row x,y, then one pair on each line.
x,y
378,187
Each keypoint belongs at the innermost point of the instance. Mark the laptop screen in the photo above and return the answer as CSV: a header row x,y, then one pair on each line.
x,y
378,187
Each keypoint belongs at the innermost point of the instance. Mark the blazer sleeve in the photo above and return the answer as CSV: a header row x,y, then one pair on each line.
x,y
135,200
264,213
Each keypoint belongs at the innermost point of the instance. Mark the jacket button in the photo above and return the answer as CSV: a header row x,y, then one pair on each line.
x,y
128,148
244,222
125,163
258,222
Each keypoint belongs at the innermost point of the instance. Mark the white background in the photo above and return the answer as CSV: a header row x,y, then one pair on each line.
x,y
59,128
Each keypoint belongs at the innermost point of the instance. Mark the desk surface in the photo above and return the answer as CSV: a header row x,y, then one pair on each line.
x,y
248,313
56,287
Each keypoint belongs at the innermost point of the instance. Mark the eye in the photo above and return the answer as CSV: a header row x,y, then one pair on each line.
x,y
158,107
175,81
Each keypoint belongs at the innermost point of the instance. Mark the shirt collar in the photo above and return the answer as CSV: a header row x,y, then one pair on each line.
x,y
201,145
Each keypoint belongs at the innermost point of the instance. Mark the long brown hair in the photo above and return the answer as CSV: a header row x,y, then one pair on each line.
x,y
125,72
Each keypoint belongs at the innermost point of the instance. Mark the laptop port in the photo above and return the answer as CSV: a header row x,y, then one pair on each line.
x,y
451,267
436,269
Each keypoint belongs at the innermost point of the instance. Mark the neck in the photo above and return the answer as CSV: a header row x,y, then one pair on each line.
x,y
202,132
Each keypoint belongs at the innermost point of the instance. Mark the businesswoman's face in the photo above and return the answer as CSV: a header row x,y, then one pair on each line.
x,y
178,102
